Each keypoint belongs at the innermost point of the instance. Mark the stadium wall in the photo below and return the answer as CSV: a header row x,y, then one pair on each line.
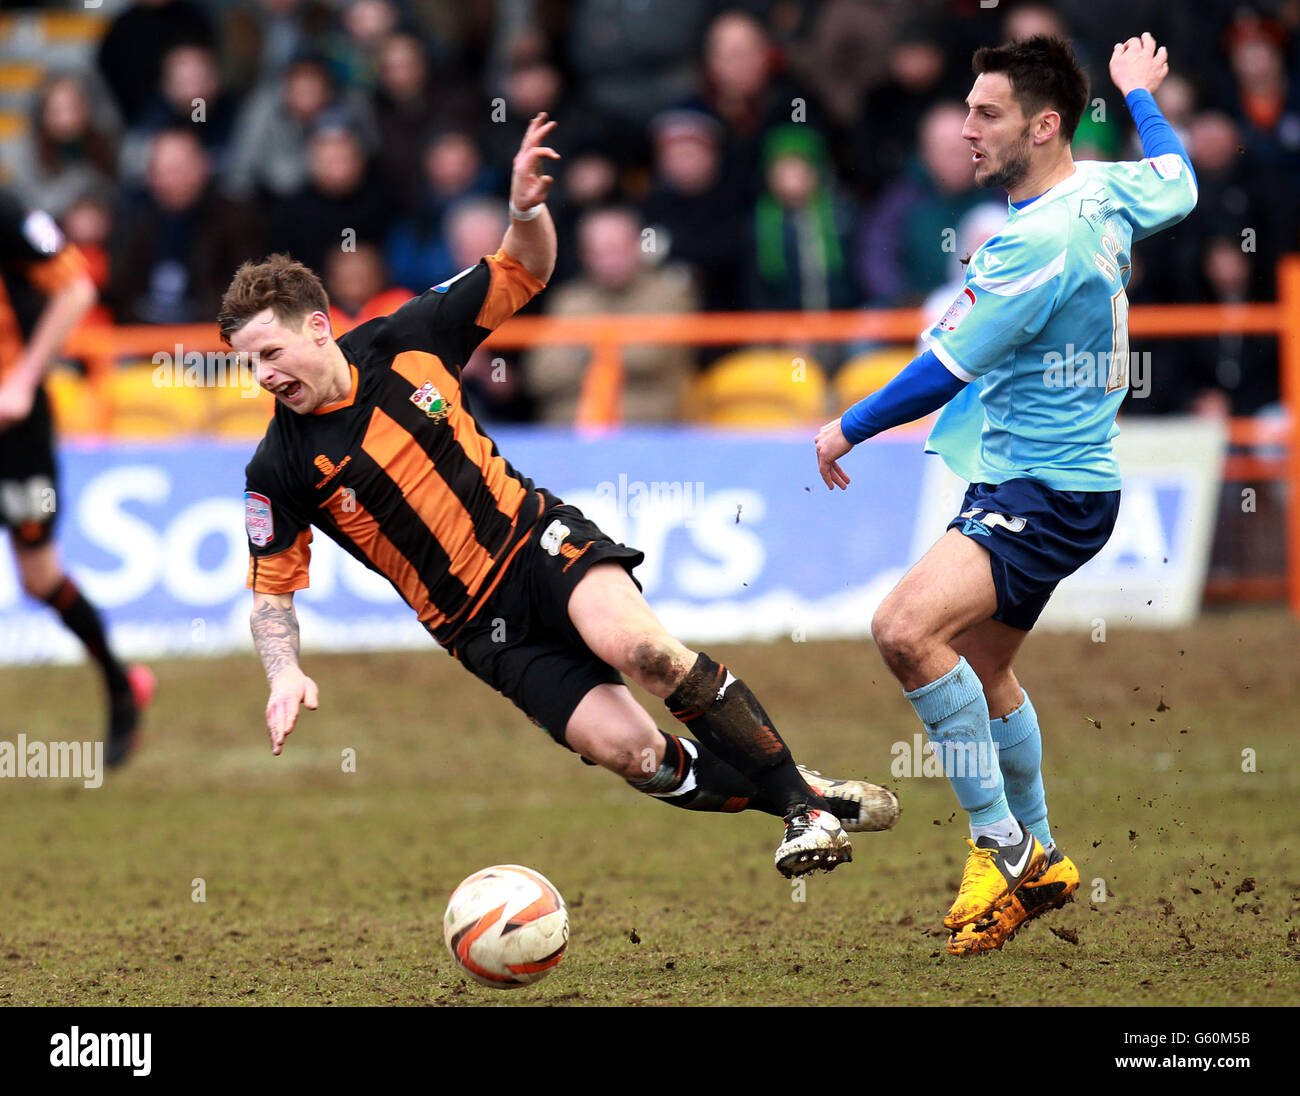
x,y
742,539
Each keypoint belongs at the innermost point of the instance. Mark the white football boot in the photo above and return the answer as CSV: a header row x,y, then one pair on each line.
x,y
814,841
860,806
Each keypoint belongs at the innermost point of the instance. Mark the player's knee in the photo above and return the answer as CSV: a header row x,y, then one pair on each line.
x,y
39,584
651,660
621,754
897,636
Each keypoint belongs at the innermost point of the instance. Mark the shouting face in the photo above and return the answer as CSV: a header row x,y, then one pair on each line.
x,y
293,362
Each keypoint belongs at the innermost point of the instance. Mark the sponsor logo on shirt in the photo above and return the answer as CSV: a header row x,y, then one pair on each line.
x,y
328,468
258,522
555,542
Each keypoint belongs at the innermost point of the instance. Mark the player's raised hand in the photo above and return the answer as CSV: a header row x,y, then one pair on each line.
x,y
289,688
1137,63
528,186
831,445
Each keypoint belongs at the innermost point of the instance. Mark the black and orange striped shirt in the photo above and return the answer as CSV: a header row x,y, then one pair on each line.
x,y
36,261
399,473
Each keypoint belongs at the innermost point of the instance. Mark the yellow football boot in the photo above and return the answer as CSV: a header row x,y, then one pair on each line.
x,y
993,873
1048,891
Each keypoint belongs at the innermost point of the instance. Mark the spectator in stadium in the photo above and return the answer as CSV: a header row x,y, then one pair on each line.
x,y
131,53
531,82
632,60
408,108
844,52
591,180
70,147
742,88
1236,374
88,224
1026,20
1267,99
901,250
359,288
891,112
801,229
696,219
178,242
451,170
343,204
189,96
260,39
363,26
492,379
615,279
281,115
1238,196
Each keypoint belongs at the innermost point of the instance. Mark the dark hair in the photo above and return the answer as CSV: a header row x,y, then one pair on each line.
x,y
1043,72
282,284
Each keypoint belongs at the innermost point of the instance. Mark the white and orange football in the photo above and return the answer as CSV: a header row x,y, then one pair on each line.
x,y
506,926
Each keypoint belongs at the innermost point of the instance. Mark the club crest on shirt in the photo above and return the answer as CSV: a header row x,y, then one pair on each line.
x,y
429,400
258,522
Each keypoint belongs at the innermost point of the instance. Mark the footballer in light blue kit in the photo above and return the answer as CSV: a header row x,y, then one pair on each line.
x,y
1032,363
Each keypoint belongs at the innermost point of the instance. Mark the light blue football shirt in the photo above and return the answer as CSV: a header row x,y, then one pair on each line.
x,y
1040,328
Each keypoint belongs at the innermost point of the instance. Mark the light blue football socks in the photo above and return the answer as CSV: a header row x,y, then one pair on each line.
x,y
956,717
1020,757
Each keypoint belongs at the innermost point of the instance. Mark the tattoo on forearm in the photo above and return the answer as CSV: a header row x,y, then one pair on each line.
x,y
275,634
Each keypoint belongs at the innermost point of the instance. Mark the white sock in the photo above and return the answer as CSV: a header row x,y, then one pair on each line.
x,y
1005,831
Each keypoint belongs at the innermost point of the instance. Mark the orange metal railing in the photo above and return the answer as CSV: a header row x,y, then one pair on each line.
x,y
607,336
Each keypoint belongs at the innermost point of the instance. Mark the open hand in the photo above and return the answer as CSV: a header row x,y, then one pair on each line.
x,y
528,186
1138,64
289,688
831,445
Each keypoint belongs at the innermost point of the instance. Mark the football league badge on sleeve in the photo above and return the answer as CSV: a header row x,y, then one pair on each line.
x,y
429,400
258,522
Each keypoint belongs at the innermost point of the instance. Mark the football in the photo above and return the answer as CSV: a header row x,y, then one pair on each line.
x,y
506,926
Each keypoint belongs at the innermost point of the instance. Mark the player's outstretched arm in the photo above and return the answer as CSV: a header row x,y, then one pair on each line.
x,y
63,311
275,635
531,236
924,385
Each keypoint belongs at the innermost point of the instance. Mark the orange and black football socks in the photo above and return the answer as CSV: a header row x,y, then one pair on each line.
x,y
692,777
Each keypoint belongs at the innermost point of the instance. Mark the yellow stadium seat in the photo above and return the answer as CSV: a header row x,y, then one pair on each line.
x,y
141,410
77,405
20,77
761,388
231,413
869,372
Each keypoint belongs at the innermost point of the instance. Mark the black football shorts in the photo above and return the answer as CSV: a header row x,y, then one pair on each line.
x,y
522,642
28,475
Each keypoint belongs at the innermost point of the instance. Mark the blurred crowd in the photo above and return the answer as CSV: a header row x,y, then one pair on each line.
x,y
757,154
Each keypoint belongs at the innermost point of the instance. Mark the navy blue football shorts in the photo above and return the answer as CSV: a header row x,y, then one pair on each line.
x,y
1035,537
